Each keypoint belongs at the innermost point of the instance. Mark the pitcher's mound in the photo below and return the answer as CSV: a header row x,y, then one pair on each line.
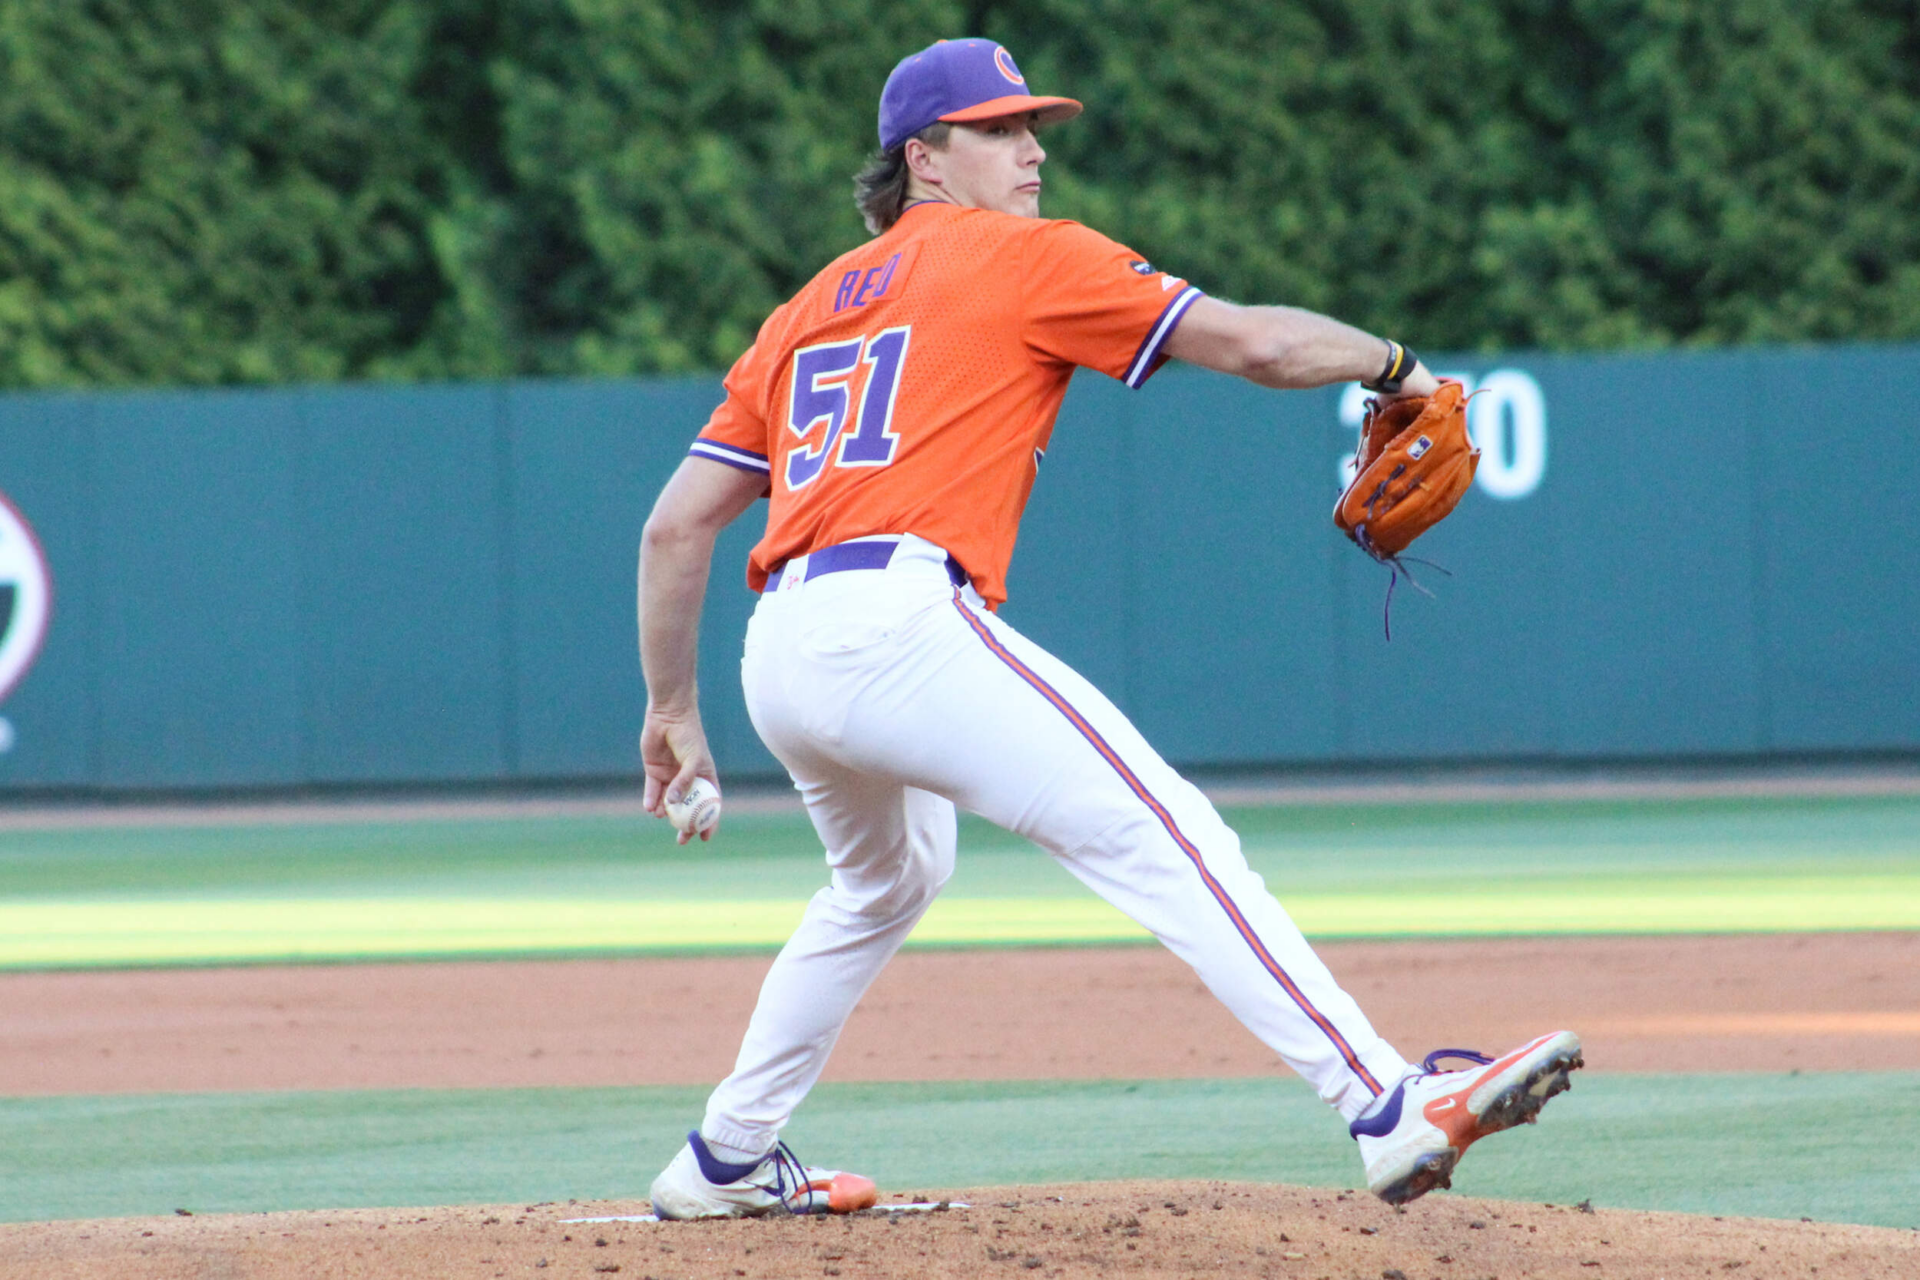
x,y
1134,1229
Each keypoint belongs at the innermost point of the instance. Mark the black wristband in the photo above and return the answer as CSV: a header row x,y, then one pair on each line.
x,y
1400,363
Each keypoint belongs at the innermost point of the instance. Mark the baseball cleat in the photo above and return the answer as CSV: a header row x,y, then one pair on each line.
x,y
1415,1134
697,1185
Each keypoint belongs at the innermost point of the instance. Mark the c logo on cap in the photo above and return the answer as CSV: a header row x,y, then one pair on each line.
x,y
1004,60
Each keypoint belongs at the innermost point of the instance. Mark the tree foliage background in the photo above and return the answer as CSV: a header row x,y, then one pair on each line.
x,y
222,191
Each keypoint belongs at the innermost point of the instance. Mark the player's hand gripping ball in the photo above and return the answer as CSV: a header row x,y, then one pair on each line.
x,y
697,811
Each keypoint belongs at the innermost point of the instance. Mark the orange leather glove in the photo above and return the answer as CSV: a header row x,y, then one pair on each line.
x,y
1415,463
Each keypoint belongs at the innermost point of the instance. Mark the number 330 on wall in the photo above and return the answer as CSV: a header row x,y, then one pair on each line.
x,y
1508,420
822,394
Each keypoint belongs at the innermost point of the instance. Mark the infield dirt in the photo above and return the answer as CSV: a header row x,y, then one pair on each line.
x,y
1148,1230
1815,1001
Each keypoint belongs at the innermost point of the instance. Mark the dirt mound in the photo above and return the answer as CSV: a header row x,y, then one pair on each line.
x,y
1135,1229
1814,1002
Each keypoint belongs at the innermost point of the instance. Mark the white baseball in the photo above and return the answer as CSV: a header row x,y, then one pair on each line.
x,y
697,811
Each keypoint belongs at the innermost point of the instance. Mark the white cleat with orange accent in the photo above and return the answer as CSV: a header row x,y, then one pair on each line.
x,y
698,1185
1416,1133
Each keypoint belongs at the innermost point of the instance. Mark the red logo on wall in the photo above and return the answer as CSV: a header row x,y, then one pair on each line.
x,y
26,597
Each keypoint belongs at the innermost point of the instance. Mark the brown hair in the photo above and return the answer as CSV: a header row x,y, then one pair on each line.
x,y
880,188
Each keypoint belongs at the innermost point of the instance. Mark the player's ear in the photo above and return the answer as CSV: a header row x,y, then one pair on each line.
x,y
922,162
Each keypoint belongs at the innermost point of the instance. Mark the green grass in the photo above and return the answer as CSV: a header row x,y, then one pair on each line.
x,y
1836,1147
1298,848
572,886
1830,1147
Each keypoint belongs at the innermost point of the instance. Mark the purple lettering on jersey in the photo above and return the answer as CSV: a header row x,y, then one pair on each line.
x,y
844,294
873,285
818,395
873,443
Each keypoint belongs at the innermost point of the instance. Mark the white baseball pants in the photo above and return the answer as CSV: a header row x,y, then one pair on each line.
x,y
892,696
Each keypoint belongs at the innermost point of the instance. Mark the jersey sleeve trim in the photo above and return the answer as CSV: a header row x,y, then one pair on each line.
x,y
1147,358
732,455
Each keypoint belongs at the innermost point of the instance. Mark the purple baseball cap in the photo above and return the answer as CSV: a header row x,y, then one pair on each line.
x,y
958,81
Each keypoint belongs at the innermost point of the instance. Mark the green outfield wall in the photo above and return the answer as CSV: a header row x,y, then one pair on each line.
x,y
1667,555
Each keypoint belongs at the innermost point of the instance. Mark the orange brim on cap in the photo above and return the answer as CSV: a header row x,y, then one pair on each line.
x,y
1050,110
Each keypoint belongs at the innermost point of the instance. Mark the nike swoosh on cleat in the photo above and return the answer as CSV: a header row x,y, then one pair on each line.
x,y
1383,1121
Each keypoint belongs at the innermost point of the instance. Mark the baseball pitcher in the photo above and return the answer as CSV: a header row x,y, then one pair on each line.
x,y
894,413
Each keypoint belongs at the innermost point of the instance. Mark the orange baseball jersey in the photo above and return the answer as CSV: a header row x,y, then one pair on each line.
x,y
912,386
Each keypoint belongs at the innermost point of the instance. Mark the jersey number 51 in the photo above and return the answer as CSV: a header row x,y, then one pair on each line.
x,y
822,393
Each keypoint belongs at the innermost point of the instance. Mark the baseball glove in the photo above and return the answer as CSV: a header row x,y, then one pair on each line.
x,y
1415,463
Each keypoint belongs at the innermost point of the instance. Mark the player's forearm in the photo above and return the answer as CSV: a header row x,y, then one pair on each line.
x,y
674,564
1290,348
676,553
1282,347
1306,349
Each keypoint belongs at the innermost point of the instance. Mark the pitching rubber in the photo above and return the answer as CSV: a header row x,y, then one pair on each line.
x,y
845,1193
